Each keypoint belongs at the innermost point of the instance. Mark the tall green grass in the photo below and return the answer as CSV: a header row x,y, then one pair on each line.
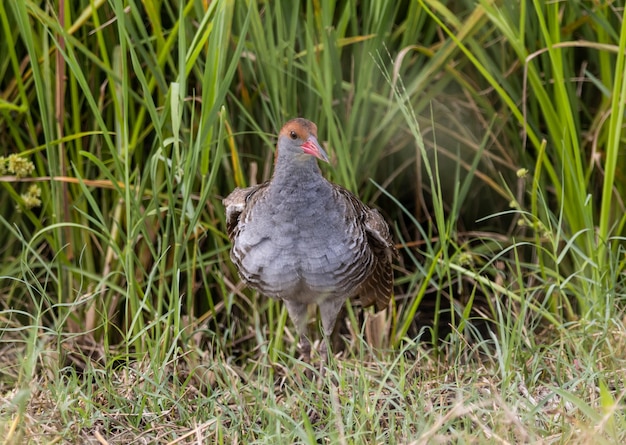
x,y
488,133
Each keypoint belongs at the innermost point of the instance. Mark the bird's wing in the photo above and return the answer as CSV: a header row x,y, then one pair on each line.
x,y
379,236
236,203
377,289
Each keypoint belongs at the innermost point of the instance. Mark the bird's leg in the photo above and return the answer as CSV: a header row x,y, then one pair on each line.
x,y
298,314
329,310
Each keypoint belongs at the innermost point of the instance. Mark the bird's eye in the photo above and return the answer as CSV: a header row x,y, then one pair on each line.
x,y
293,135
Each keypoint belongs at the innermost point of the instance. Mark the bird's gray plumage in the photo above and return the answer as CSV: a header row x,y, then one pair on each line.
x,y
304,240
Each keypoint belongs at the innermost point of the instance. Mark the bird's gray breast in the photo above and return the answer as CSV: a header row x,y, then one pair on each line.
x,y
299,246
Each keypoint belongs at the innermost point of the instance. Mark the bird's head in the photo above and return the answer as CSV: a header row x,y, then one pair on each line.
x,y
299,137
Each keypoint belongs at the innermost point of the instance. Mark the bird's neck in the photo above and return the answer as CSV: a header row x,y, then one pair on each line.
x,y
296,171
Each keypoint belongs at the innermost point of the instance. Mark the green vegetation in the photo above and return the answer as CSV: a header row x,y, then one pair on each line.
x,y
487,132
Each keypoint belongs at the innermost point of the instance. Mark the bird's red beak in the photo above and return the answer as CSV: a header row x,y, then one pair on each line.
x,y
313,148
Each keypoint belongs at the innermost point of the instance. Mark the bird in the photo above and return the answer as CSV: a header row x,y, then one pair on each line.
x,y
306,241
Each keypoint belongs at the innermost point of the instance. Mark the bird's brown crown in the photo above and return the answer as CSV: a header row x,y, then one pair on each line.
x,y
300,127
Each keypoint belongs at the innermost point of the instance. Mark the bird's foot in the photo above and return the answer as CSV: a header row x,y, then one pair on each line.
x,y
304,350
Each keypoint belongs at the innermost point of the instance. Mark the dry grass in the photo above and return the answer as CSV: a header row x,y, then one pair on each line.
x,y
402,396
